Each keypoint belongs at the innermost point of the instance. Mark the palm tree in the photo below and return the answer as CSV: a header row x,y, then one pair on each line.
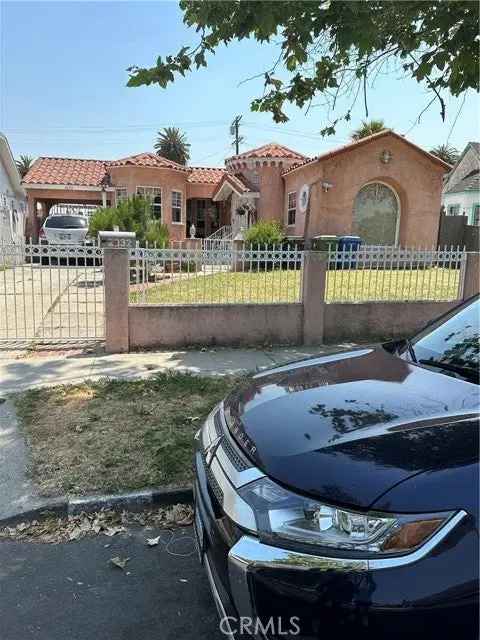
x,y
172,144
368,128
24,164
446,153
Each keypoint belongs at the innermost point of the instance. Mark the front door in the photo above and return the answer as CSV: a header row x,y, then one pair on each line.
x,y
204,214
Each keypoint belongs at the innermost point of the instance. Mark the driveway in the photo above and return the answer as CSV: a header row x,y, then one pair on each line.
x,y
60,302
55,592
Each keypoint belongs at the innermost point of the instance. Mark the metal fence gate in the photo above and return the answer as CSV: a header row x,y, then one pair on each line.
x,y
51,294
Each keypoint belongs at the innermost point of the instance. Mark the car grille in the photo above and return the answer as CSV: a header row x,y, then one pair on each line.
x,y
212,482
233,454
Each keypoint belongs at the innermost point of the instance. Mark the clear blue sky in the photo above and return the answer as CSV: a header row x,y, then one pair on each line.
x,y
63,93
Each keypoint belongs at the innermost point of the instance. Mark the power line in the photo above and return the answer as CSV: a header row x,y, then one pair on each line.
x,y
234,131
456,118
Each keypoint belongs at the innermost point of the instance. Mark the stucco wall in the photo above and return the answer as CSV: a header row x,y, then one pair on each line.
x,y
183,325
378,320
168,179
200,190
416,179
270,203
9,229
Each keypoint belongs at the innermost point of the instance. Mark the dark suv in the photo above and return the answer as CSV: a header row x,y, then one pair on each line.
x,y
338,496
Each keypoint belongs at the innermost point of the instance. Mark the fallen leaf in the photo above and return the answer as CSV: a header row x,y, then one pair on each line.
x,y
112,531
152,542
119,562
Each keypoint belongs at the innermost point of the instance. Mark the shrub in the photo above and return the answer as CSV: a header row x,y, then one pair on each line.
x,y
156,234
134,215
268,232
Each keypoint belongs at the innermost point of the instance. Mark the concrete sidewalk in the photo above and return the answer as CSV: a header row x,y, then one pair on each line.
x,y
23,372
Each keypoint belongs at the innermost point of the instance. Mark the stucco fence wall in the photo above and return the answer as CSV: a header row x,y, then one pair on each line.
x,y
227,325
138,326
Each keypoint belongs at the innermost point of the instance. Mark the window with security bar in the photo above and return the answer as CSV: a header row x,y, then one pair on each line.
x,y
121,194
453,210
177,207
154,195
291,208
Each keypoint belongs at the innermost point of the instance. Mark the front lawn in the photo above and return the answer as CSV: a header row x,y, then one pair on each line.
x,y
281,285
285,286
113,436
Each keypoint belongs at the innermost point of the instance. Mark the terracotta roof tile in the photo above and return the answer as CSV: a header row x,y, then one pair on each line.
x,y
148,159
70,171
206,175
271,150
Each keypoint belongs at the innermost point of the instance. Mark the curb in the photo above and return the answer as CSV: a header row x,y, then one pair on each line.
x,y
134,501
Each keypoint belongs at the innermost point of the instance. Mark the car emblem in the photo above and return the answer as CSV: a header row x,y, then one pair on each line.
x,y
211,449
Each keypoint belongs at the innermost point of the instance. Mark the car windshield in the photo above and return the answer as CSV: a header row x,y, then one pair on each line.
x,y
66,222
453,341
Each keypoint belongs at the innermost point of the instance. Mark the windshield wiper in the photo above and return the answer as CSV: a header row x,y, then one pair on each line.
x,y
466,372
411,350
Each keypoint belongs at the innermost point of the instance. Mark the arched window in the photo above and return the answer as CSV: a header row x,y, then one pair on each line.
x,y
376,214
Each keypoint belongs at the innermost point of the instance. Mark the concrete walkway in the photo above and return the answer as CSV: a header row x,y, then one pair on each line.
x,y
19,373
17,493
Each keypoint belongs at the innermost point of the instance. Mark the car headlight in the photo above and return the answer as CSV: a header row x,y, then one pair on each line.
x,y
283,514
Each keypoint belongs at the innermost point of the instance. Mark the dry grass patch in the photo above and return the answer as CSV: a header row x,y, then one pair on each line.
x,y
116,435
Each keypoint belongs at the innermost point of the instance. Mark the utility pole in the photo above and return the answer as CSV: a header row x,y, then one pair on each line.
x,y
234,129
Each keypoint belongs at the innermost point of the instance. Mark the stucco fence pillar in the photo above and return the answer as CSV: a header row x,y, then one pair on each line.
x,y
116,289
313,294
471,282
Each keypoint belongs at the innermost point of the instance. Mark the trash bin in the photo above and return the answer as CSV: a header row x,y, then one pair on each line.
x,y
324,243
348,245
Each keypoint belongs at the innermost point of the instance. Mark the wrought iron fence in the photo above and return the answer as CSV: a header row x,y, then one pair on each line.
x,y
221,276
395,274
51,293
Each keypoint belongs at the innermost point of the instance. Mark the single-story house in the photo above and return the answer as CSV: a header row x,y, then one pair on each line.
x,y
13,199
461,191
384,188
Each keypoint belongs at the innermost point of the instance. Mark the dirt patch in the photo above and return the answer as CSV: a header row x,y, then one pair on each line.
x,y
116,435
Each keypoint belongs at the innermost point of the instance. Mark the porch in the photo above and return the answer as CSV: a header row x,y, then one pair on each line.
x,y
207,216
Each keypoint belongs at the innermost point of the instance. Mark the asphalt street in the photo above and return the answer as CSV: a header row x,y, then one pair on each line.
x,y
73,592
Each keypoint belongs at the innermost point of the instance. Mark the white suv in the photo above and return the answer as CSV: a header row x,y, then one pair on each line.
x,y
64,229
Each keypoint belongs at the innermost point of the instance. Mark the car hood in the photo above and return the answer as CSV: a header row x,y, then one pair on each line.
x,y
348,427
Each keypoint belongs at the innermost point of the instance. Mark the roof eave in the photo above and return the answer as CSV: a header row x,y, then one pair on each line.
x,y
358,143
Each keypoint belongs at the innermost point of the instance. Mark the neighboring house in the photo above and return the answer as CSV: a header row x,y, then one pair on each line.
x,y
383,187
13,200
461,191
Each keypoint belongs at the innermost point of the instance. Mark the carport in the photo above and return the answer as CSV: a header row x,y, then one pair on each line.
x,y
67,183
